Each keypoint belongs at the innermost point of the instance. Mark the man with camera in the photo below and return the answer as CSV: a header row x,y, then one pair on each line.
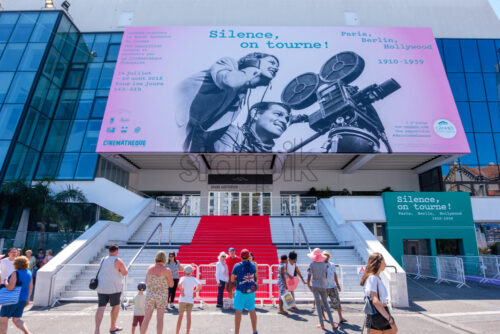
x,y
212,99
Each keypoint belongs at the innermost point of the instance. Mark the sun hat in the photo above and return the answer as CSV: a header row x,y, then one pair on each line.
x,y
230,249
188,269
326,253
245,253
221,254
316,255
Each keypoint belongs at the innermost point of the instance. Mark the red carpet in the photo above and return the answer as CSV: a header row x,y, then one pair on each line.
x,y
218,233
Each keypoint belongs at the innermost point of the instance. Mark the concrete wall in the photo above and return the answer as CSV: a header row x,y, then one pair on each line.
x,y
448,18
299,180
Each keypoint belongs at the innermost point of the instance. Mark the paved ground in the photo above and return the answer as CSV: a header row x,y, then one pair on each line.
x,y
434,309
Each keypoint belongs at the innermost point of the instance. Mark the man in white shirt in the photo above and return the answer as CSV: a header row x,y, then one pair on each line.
x,y
7,265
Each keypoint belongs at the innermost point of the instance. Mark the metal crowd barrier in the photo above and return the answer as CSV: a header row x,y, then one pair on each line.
x,y
454,269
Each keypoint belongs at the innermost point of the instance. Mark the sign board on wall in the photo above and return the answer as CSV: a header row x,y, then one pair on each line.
x,y
429,216
280,89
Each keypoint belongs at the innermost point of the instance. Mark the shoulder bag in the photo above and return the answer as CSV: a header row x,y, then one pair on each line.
x,y
10,297
94,282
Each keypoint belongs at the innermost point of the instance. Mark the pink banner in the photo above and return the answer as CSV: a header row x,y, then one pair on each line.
x,y
280,89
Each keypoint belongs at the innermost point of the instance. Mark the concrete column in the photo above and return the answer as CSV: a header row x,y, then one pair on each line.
x,y
22,229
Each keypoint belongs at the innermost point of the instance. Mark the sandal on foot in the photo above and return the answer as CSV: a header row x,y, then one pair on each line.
x,y
343,320
319,326
117,329
283,312
335,325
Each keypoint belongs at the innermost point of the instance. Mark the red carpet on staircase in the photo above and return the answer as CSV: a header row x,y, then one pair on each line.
x,y
218,233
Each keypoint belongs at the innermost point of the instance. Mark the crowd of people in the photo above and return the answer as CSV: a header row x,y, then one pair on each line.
x,y
238,273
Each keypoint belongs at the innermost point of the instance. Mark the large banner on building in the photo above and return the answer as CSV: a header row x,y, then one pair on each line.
x,y
280,89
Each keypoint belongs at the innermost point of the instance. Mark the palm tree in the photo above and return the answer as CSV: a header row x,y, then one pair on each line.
x,y
41,200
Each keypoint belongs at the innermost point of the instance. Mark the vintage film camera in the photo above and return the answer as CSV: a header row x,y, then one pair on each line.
x,y
346,112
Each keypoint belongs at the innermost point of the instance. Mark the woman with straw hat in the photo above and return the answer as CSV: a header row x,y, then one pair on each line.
x,y
316,281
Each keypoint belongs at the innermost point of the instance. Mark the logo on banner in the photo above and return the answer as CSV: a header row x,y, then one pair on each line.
x,y
361,270
445,128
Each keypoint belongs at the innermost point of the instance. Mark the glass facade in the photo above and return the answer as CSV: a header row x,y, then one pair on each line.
x,y
54,84
472,67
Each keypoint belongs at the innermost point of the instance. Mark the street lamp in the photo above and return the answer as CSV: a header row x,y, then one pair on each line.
x,y
49,4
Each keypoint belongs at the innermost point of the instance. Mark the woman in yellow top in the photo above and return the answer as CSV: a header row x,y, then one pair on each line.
x,y
158,280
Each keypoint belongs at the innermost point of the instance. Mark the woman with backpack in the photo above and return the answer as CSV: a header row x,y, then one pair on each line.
x,y
381,322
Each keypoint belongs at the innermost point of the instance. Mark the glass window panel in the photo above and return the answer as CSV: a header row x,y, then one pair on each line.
x,y
50,103
492,83
75,76
83,109
40,132
470,55
21,85
16,162
29,125
485,149
488,55
2,46
86,166
67,167
48,165
88,94
9,116
24,27
100,47
7,24
5,80
440,48
113,52
464,111
44,27
60,71
51,63
32,57
480,117
497,144
99,107
41,91
90,141
475,86
69,43
495,116
61,33
106,75
76,136
102,93
82,52
57,136
11,56
452,55
92,76
89,39
116,38
4,147
66,104
470,159
457,84
29,165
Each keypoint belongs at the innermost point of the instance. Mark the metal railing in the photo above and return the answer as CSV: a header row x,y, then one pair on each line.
x,y
291,221
441,268
237,203
159,228
173,222
303,232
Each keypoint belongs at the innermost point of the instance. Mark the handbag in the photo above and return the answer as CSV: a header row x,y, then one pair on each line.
x,y
10,297
94,282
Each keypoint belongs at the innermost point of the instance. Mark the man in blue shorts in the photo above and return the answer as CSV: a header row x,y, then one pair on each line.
x,y
244,276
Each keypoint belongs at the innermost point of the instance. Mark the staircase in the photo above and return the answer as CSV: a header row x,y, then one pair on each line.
x,y
218,233
200,241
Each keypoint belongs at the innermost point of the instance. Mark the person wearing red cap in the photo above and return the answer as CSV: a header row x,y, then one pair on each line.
x,y
244,276
230,262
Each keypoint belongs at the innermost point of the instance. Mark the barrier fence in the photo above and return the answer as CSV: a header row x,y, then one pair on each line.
x,y
71,283
454,269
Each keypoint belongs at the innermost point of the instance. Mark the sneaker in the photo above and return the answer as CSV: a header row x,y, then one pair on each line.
x,y
219,306
171,305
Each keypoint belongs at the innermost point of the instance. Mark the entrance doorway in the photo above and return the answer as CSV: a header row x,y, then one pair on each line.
x,y
416,247
223,203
